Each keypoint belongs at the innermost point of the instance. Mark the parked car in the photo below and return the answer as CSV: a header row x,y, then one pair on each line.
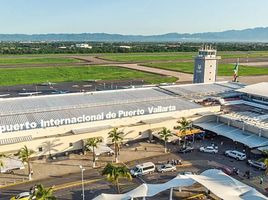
x,y
227,170
210,135
257,164
198,136
166,168
142,169
186,149
236,154
22,196
209,149
186,173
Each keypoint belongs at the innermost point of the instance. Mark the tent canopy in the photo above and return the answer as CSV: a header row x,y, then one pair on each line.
x,y
11,163
189,132
102,148
216,181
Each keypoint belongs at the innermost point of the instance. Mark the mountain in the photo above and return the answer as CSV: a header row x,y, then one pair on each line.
x,y
259,34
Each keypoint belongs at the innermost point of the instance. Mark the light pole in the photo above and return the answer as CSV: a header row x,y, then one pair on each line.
x,y
83,188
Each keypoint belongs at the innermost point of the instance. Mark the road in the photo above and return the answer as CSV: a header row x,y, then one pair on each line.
x,y
61,183
182,77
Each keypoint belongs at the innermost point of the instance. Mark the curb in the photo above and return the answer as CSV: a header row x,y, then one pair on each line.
x,y
14,184
73,184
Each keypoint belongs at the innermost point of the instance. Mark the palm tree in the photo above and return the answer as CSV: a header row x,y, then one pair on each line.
x,y
25,154
1,162
183,127
265,159
114,173
117,137
93,143
50,146
165,134
41,193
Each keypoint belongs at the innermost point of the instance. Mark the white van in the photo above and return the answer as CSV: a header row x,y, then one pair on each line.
x,y
235,154
142,169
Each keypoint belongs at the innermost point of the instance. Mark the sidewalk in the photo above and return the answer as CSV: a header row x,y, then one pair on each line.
x,y
48,169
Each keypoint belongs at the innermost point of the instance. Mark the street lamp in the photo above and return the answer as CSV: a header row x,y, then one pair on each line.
x,y
83,188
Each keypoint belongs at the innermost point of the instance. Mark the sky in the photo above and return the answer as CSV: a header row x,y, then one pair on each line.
x,y
145,17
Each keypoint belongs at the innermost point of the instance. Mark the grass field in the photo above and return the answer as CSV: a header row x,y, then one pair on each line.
x,y
171,56
36,60
223,70
17,76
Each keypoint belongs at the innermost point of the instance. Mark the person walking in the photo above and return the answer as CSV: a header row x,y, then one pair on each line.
x,y
261,180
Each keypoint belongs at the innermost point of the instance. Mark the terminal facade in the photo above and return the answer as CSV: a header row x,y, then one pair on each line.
x,y
67,120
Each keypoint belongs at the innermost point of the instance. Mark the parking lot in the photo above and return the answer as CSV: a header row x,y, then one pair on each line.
x,y
197,162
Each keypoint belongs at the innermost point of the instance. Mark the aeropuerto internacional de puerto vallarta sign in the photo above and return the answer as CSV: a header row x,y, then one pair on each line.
x,y
86,118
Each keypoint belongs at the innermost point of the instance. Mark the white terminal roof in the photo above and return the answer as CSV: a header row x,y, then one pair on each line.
x,y
259,89
204,89
36,108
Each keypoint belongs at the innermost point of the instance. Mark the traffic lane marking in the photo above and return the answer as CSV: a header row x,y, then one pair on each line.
x,y
74,184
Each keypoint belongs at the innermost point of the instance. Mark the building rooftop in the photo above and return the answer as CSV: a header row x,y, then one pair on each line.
x,y
97,105
259,89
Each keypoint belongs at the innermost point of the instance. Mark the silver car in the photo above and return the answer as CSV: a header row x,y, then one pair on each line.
x,y
257,164
166,168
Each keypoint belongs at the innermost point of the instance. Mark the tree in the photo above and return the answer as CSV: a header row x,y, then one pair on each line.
x,y
183,127
93,143
113,173
117,137
41,193
165,134
265,159
50,146
25,154
1,162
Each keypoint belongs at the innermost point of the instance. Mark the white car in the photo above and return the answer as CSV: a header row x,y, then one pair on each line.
x,y
257,164
22,196
209,149
142,169
166,168
236,154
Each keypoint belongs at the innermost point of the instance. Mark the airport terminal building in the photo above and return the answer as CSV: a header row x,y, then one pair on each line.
x,y
60,123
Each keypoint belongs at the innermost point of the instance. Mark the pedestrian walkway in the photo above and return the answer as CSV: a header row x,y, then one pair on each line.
x,y
43,169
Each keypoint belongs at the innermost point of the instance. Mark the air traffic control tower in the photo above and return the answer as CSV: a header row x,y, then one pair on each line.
x,y
206,64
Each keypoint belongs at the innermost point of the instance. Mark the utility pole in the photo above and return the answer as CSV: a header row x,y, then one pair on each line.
x,y
83,188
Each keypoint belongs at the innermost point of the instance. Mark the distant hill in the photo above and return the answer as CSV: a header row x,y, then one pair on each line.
x,y
247,35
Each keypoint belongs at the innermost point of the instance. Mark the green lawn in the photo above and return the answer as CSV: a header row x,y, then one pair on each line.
x,y
223,70
17,76
171,56
141,57
35,60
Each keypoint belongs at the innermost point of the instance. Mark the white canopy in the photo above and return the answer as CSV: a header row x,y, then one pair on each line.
x,y
102,148
226,187
11,164
215,180
149,190
250,139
